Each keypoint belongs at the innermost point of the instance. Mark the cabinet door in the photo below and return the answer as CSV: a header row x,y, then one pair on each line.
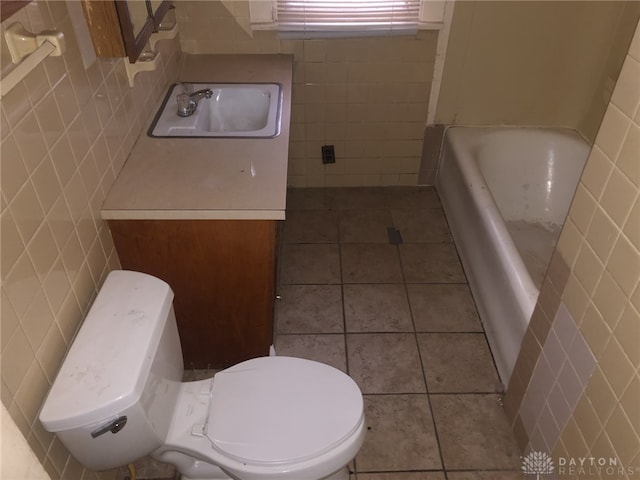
x,y
223,275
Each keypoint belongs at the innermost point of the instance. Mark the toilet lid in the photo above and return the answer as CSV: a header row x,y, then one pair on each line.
x,y
282,409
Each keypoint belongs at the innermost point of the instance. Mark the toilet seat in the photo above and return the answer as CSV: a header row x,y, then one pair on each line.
x,y
273,411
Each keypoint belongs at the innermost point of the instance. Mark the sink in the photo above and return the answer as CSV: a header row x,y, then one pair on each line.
x,y
235,110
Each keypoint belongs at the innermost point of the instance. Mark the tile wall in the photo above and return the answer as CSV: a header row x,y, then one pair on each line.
x,y
530,63
65,133
534,62
366,96
580,357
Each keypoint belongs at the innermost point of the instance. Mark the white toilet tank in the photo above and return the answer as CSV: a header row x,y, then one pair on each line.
x,y
112,399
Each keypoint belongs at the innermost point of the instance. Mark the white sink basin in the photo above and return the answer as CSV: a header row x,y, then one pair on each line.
x,y
235,110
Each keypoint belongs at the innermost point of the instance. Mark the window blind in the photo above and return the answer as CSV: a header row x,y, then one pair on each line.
x,y
345,16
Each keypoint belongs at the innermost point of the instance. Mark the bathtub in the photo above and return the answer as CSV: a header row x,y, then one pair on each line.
x,y
506,192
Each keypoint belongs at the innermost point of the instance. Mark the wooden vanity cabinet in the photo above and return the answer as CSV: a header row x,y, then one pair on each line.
x,y
223,275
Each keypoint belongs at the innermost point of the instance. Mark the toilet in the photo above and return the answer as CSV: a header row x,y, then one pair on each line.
x,y
119,396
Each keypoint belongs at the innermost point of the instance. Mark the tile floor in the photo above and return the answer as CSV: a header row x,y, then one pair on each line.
x,y
399,318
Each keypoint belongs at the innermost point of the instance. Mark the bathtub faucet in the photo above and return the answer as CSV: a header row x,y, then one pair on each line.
x,y
188,102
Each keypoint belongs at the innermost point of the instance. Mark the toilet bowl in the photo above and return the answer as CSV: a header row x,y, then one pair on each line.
x,y
119,397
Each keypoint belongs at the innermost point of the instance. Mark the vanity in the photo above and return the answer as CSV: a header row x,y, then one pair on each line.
x,y
202,214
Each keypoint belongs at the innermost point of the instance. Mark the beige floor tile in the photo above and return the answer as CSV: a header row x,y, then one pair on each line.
x,y
385,362
327,349
377,308
309,264
400,435
295,198
176,476
317,275
443,308
402,476
494,475
309,309
364,226
457,363
431,263
311,226
306,199
411,197
150,468
370,263
421,226
355,198
474,433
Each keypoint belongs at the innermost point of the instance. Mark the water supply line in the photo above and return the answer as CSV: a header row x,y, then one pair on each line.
x,y
132,472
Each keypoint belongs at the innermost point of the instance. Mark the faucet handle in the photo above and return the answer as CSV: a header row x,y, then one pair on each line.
x,y
186,105
205,92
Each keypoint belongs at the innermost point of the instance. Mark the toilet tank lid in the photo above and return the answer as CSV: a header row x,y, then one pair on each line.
x,y
106,368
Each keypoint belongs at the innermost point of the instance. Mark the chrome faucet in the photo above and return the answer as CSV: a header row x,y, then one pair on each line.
x,y
188,102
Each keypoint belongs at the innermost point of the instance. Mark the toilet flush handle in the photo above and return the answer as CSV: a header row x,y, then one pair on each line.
x,y
114,427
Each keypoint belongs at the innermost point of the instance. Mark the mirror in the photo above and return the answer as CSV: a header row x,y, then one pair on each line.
x,y
139,14
136,25
154,4
158,10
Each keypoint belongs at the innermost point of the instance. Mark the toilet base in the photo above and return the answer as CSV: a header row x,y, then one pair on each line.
x,y
342,474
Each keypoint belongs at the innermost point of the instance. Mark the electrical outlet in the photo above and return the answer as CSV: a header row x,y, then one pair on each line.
x,y
328,154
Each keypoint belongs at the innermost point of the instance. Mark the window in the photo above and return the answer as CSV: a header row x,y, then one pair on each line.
x,y
327,18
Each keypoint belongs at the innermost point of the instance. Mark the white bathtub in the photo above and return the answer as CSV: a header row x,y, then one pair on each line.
x,y
506,192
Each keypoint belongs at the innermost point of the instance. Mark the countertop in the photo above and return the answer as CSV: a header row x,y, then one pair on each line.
x,y
209,178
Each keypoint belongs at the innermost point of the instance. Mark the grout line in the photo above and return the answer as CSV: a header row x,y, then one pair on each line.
x,y
422,367
384,332
433,394
344,313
